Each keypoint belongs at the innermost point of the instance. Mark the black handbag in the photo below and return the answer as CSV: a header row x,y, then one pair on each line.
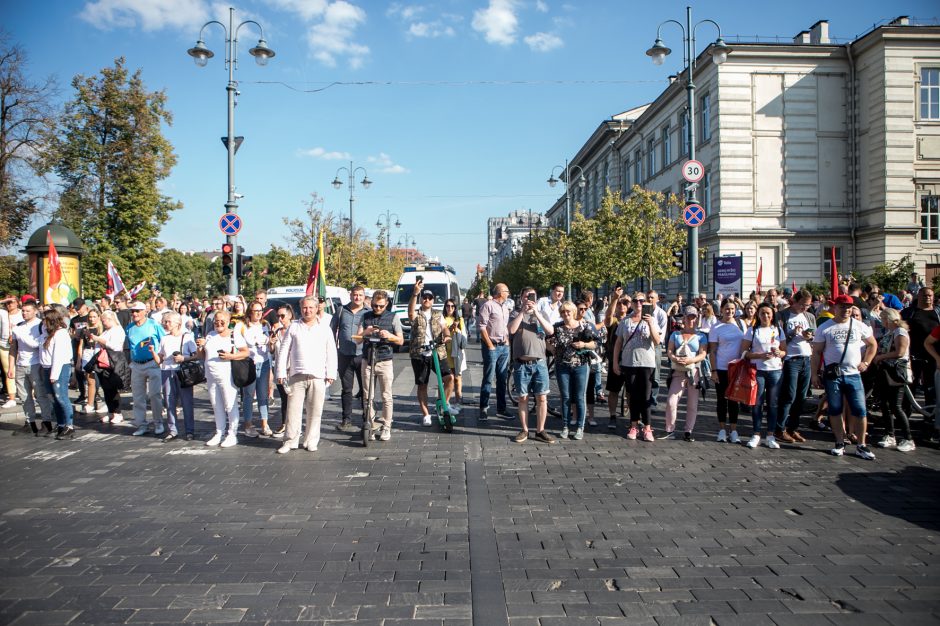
x,y
898,371
243,371
833,371
191,373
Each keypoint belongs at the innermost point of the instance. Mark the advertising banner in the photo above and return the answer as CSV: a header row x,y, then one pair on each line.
x,y
66,288
729,275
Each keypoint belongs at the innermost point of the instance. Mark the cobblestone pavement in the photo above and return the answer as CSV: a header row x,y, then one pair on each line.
x,y
464,528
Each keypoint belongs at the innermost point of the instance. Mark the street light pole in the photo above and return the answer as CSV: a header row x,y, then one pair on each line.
x,y
388,230
582,182
337,183
201,55
658,53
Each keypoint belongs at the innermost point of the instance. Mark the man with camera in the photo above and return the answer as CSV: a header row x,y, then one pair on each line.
x,y
840,343
528,329
379,331
428,333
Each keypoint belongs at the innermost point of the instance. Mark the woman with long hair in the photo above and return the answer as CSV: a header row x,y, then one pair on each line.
x,y
724,345
707,319
635,360
285,315
456,352
894,344
257,334
748,316
87,349
764,345
573,340
55,363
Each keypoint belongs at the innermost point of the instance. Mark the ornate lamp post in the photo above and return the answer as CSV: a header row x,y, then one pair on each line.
x,y
582,182
388,229
365,182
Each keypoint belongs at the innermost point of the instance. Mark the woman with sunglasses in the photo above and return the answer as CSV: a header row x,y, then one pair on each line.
x,y
573,340
724,345
456,356
686,349
219,348
765,345
285,315
176,346
635,349
257,333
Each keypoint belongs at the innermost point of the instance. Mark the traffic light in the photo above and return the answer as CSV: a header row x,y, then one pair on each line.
x,y
679,259
227,259
244,265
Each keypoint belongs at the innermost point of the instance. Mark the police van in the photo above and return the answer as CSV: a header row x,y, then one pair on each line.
x,y
438,278
292,295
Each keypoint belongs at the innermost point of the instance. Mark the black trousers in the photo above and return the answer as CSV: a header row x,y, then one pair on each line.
x,y
350,368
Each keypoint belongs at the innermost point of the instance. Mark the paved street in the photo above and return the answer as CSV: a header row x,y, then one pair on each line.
x,y
464,528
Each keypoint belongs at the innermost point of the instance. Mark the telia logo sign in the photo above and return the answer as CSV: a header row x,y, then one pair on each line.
x,y
728,273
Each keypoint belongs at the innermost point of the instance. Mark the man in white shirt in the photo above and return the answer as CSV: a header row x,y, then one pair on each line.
x,y
840,344
306,366
799,326
549,306
160,308
24,368
10,316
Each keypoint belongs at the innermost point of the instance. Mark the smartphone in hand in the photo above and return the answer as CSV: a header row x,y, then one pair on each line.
x,y
647,309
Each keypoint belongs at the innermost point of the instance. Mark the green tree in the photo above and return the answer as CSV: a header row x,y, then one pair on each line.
x,y
188,274
26,114
13,276
651,235
110,154
891,277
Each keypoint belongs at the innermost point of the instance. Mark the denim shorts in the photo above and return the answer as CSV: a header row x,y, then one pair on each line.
x,y
531,378
849,386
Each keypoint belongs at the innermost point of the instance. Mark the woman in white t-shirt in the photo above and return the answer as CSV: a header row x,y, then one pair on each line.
x,y
765,346
894,344
257,335
177,345
111,339
219,348
724,345
707,319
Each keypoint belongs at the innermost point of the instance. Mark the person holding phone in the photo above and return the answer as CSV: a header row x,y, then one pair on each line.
x,y
219,348
635,352
143,337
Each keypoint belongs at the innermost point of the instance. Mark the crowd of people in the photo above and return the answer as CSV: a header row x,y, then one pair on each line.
x,y
863,343
862,348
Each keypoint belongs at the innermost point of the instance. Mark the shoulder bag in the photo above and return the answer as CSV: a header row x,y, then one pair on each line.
x,y
191,373
243,370
834,370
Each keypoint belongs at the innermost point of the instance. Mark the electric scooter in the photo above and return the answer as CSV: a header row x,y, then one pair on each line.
x,y
445,419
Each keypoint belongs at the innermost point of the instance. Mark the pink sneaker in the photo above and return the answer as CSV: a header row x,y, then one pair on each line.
x,y
647,434
632,433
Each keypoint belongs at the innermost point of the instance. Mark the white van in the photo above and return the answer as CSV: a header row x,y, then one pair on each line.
x,y
292,294
438,278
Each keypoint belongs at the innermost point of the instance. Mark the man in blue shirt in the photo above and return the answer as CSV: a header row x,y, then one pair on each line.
x,y
143,338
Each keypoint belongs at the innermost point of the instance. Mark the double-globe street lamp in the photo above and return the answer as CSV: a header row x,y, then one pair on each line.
x,y
201,55
365,182
582,182
719,53
388,229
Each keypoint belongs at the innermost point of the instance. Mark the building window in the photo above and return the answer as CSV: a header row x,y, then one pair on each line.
x,y
930,93
637,168
667,147
827,262
930,218
625,185
684,123
651,158
707,193
706,117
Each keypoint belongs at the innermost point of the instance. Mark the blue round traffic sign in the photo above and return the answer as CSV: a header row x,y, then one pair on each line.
x,y
694,215
230,224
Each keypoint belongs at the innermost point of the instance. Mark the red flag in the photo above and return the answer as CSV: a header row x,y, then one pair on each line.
x,y
760,274
835,274
316,279
55,267
115,284
793,286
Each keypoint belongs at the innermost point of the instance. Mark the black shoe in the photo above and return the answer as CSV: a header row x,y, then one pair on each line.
x,y
48,427
65,432
34,428
345,427
505,414
170,437
190,436
689,437
484,414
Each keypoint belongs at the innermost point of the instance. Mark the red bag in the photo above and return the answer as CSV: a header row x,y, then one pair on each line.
x,y
742,382
104,362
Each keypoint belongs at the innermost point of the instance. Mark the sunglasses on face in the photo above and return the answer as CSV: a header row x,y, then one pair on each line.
x,y
282,315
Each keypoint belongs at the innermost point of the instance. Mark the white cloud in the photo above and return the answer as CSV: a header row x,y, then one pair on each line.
x,y
333,37
544,42
430,29
307,9
405,12
147,14
323,154
541,7
383,163
497,22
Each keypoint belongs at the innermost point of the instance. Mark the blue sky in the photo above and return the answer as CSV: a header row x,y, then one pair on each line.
x,y
458,110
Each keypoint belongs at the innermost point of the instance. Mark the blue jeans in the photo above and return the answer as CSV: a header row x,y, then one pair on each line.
x,y
59,389
796,379
768,388
850,386
178,397
495,361
258,388
572,383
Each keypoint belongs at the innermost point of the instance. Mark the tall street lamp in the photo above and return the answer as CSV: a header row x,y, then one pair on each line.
x,y
365,182
529,222
388,229
201,55
719,53
410,256
582,182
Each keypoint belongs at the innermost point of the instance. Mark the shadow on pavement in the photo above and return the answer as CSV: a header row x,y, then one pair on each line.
x,y
909,494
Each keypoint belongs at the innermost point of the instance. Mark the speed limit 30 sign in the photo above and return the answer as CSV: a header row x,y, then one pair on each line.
x,y
693,171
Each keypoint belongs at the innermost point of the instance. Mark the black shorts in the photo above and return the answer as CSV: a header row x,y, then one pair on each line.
x,y
424,366
614,382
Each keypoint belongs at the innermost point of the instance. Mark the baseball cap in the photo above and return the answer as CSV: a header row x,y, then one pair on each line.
x,y
27,298
690,310
138,306
427,293
843,299
78,303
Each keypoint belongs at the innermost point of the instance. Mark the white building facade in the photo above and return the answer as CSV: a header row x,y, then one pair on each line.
x,y
806,145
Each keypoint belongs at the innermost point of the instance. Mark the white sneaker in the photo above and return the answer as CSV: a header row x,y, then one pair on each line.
x,y
733,438
216,440
85,409
159,430
250,431
105,419
386,434
9,404
229,441
284,449
863,452
592,422
722,435
310,448
906,445
754,441
101,410
427,420
117,418
454,409
888,441
141,430
772,443
838,449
